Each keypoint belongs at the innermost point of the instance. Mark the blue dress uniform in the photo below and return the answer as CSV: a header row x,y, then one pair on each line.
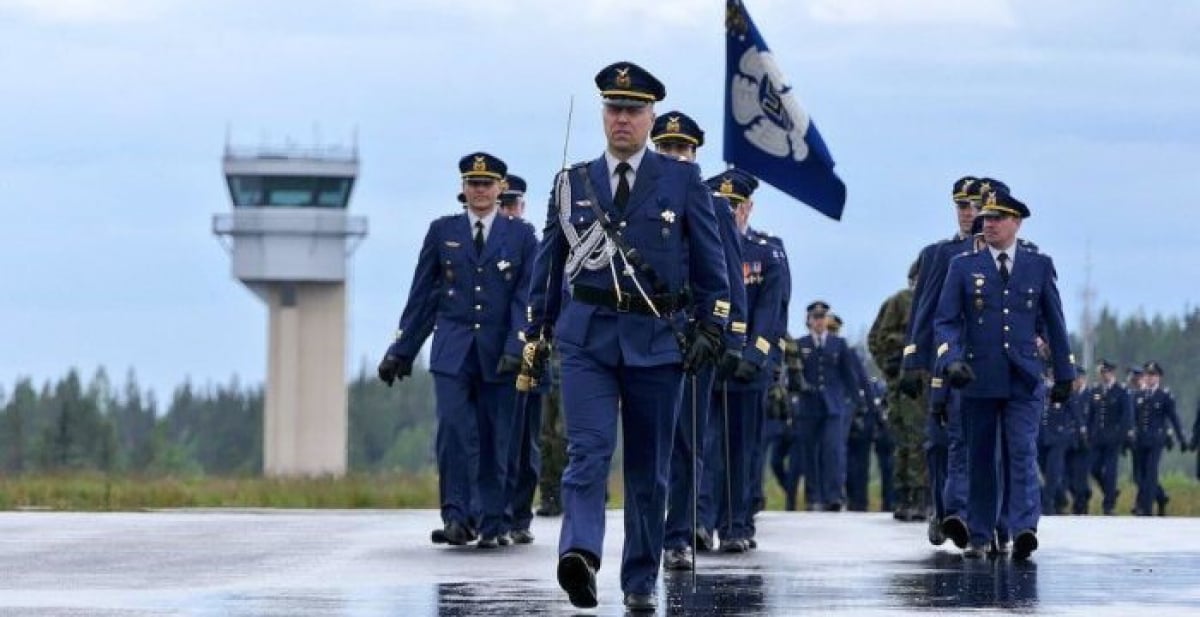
x,y
863,422
986,329
746,392
1109,419
833,386
1156,423
687,461
771,429
473,303
1059,428
618,357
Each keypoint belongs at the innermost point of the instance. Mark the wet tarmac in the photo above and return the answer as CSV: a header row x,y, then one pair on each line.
x,y
301,563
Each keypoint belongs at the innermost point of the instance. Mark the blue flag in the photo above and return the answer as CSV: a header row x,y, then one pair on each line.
x,y
767,133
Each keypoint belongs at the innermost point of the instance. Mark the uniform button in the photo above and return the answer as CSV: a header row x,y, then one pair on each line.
x,y
1006,328
478,288
476,326
479,269
1006,345
1005,311
622,225
479,307
1006,292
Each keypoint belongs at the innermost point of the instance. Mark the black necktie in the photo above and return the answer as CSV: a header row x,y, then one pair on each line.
x,y
622,196
478,237
1003,259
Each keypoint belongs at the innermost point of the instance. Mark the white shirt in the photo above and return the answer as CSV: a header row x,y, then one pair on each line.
x,y
634,161
487,221
1010,251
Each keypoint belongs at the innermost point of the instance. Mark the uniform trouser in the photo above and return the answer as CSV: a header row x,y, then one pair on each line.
x,y
814,455
714,482
468,405
885,449
553,445
687,462
1077,478
1146,459
524,460
647,400
1052,459
958,460
1104,462
990,426
756,499
858,473
731,484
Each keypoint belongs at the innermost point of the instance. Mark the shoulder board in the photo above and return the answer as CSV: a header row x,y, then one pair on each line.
x,y
579,164
447,217
1027,245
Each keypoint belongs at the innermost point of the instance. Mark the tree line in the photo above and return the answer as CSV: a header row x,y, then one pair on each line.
x,y
95,424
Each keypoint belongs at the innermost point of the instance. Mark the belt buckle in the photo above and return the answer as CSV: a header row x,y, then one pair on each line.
x,y
623,302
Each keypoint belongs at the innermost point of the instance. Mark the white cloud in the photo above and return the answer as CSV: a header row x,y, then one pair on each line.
x,y
989,12
84,11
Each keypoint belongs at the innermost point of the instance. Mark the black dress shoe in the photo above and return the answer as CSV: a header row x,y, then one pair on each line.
x,y
522,536
934,530
704,540
504,539
834,507
549,508
678,559
577,577
1024,545
751,543
956,530
733,546
640,603
454,533
488,542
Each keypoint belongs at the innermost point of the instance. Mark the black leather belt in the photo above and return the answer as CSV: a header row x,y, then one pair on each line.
x,y
627,302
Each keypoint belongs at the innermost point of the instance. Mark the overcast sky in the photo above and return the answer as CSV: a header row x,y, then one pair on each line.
x,y
115,113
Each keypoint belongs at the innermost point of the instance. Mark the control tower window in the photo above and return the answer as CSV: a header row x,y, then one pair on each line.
x,y
289,191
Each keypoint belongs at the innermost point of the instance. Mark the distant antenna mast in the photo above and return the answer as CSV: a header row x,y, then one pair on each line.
x,y
1088,295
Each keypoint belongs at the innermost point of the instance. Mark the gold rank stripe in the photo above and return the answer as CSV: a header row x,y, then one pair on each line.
x,y
687,138
942,349
910,350
783,344
762,345
936,382
738,327
721,309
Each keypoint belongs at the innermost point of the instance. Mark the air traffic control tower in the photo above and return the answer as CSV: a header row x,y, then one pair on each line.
x,y
290,237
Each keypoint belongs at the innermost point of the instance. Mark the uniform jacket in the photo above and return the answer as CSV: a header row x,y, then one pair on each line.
x,y
762,273
1061,422
1109,414
668,209
830,374
1155,416
993,326
731,243
464,298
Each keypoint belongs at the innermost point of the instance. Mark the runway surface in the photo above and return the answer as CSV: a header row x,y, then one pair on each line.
x,y
301,563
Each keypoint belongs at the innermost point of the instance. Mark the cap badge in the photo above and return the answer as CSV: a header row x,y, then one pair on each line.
x,y
480,164
623,80
673,124
727,186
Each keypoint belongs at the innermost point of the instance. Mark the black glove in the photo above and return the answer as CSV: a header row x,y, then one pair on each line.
x,y
777,402
703,346
911,383
940,414
508,364
394,368
1060,392
746,370
891,366
727,364
959,374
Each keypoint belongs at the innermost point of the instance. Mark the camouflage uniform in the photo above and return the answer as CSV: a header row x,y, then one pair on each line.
x,y
906,415
553,444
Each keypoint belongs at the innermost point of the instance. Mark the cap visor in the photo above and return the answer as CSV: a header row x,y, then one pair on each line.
x,y
625,103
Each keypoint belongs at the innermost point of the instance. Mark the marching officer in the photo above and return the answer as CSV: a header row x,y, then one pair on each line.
x,y
524,452
1109,419
831,382
1156,424
993,306
469,288
677,134
626,234
744,392
1076,456
861,425
1060,424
